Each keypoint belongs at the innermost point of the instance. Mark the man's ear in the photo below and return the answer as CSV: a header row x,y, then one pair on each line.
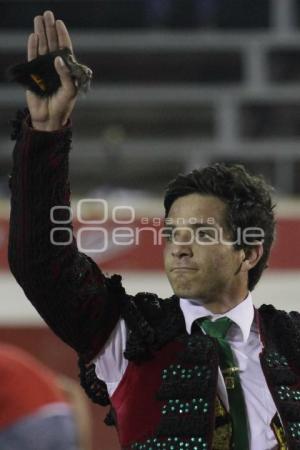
x,y
252,255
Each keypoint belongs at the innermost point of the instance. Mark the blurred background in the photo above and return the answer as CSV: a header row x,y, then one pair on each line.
x,y
178,84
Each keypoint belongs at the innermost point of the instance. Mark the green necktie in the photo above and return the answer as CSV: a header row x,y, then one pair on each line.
x,y
218,330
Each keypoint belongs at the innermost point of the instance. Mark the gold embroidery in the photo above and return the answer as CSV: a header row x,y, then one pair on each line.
x,y
219,408
279,433
229,377
229,382
222,434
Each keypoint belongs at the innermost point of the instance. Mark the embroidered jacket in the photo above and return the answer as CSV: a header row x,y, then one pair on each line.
x,y
173,376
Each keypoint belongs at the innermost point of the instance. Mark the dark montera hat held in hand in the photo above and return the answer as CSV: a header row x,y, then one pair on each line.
x,y
40,76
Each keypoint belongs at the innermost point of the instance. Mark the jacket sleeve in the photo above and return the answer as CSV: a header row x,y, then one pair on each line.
x,y
67,288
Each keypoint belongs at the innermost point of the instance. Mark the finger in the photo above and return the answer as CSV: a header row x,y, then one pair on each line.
x,y
51,33
65,78
64,39
32,47
39,29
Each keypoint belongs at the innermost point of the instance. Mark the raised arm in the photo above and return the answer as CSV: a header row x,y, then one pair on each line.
x,y
51,113
67,288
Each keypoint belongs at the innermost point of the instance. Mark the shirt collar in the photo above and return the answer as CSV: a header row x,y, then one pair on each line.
x,y
242,314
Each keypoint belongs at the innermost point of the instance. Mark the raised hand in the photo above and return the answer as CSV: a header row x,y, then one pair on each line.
x,y
51,113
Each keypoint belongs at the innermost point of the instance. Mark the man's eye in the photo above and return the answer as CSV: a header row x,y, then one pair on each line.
x,y
204,234
167,233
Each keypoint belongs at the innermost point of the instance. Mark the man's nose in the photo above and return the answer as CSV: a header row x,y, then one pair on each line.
x,y
182,243
182,250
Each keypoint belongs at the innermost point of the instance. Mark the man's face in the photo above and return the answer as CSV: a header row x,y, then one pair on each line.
x,y
194,268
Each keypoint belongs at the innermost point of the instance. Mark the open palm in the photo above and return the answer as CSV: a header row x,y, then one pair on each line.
x,y
50,113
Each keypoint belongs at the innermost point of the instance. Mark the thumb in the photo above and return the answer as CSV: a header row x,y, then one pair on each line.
x,y
64,74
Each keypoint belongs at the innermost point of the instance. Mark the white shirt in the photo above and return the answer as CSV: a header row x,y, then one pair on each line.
x,y
244,339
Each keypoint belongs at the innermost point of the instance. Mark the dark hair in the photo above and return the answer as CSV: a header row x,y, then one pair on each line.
x,y
248,203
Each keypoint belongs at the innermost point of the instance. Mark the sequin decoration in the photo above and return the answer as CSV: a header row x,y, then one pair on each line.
x,y
286,393
194,406
274,359
178,371
176,406
294,428
172,443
